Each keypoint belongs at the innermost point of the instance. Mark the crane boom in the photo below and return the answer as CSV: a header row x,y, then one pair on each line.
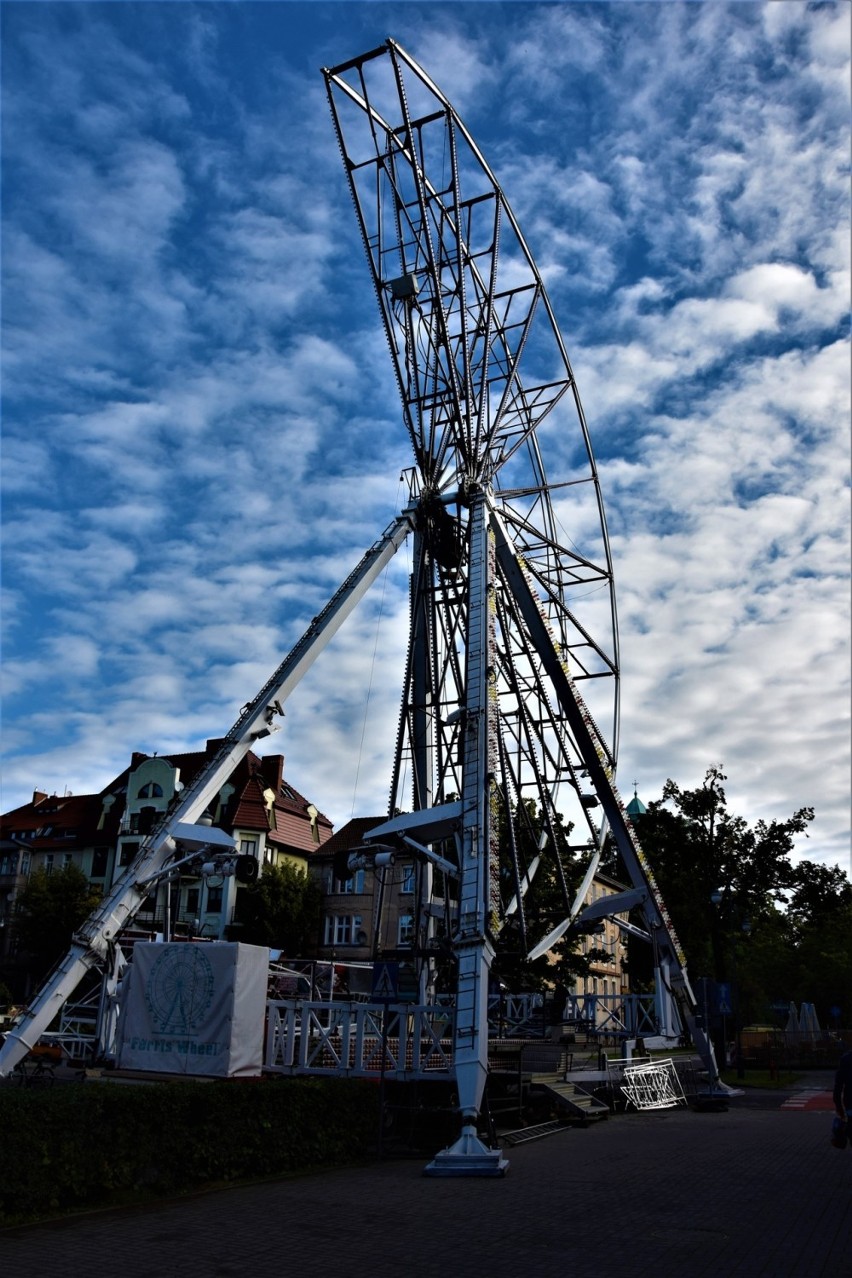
x,y
97,937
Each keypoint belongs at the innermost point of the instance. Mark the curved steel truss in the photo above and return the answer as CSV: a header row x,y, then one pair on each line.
x,y
487,394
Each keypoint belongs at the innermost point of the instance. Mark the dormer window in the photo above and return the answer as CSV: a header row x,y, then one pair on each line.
x,y
151,790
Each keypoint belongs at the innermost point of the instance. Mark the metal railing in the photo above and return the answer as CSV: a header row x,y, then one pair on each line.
x,y
359,1040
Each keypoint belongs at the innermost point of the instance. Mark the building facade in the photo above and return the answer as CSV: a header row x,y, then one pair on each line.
x,y
365,912
101,834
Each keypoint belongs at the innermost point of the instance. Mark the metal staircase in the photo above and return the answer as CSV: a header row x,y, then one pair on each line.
x,y
570,1101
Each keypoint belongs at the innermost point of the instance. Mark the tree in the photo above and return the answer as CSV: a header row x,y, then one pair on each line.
x,y
281,910
721,880
48,912
819,917
743,910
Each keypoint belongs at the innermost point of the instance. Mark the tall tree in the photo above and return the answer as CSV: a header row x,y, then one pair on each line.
x,y
48,912
720,878
281,911
820,925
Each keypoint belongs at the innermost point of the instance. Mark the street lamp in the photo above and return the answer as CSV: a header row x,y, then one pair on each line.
x,y
718,898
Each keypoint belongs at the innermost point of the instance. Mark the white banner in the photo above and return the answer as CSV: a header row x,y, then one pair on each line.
x,y
194,1008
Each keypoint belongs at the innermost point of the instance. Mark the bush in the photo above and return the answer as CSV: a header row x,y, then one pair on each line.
x,y
85,1145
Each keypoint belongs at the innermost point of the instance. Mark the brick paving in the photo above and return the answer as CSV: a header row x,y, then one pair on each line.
x,y
755,1191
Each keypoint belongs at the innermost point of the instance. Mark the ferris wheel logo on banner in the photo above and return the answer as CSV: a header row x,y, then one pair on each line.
x,y
179,990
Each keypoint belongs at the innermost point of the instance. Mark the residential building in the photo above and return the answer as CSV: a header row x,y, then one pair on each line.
x,y
101,834
608,980
366,912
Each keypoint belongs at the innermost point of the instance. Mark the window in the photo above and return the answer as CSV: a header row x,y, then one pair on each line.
x,y
349,887
151,791
99,863
193,897
48,863
67,858
342,929
9,863
26,860
145,820
248,847
408,876
405,933
214,900
127,853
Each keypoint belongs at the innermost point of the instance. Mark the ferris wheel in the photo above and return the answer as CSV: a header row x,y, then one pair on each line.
x,y
492,410
501,775
512,598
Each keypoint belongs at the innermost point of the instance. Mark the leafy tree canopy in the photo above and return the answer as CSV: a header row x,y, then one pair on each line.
x,y
743,910
48,912
280,911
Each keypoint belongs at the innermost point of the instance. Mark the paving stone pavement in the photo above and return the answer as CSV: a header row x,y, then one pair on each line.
x,y
756,1191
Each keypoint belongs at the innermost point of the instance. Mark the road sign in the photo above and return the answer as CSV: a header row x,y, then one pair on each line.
x,y
385,982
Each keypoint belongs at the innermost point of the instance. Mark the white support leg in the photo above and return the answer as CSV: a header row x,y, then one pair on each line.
x,y
469,1156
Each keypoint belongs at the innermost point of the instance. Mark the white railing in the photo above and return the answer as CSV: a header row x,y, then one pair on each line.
x,y
625,1014
359,1040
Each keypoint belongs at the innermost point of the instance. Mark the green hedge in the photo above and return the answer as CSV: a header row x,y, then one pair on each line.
x,y
83,1145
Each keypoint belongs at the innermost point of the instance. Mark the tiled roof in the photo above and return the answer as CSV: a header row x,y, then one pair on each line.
x,y
291,822
58,822
351,835
246,809
296,832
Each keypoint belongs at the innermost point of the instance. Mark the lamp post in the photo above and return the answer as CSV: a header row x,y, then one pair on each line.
x,y
718,898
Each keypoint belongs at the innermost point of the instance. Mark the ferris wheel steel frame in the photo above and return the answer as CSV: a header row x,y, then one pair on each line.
x,y
459,325
480,367
513,653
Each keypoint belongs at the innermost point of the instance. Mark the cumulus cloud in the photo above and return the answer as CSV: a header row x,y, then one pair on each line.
x,y
202,432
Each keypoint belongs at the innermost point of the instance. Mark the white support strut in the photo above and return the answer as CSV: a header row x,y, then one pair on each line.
x,y
472,942
593,753
97,937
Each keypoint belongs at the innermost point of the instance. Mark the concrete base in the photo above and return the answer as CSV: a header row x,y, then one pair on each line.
x,y
467,1157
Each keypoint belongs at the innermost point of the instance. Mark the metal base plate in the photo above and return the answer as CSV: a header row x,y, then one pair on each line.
x,y
468,1157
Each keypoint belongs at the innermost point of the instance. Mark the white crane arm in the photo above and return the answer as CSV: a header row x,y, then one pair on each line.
x,y
93,942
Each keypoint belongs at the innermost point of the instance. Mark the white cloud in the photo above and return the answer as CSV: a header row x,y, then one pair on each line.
x,y
202,431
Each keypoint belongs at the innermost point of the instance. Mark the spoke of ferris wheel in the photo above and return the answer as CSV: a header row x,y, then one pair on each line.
x,y
531,740
546,811
568,760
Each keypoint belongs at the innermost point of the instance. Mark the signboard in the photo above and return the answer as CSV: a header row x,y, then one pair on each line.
x,y
194,1008
394,982
723,994
385,988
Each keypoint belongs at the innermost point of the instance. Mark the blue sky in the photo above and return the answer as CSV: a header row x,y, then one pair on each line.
x,y
201,432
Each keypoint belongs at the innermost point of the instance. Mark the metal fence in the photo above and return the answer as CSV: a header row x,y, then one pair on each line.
x,y
359,1040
